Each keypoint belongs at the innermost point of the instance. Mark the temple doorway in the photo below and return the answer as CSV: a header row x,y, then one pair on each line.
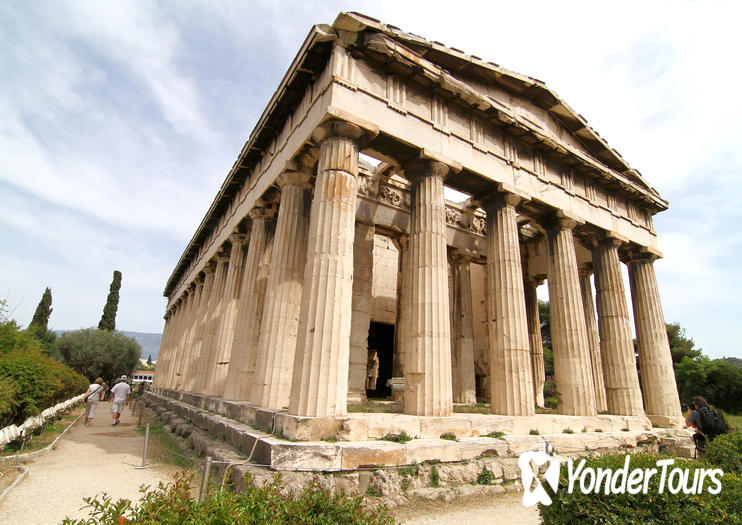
x,y
380,360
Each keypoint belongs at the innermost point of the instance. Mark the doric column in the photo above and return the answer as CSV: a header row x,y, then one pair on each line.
x,y
161,369
278,329
655,360
194,318
203,317
511,378
428,353
534,337
573,375
212,326
227,315
462,359
174,365
402,327
623,395
241,376
174,346
363,274
183,365
320,386
593,339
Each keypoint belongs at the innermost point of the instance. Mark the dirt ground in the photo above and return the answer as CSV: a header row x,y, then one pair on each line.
x,y
503,508
87,461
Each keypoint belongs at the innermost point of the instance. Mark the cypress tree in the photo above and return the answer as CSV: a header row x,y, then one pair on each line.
x,y
149,360
108,319
43,311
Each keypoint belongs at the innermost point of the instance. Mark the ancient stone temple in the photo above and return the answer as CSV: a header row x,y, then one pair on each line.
x,y
331,269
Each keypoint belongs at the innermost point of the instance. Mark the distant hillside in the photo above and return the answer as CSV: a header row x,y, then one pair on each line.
x,y
150,343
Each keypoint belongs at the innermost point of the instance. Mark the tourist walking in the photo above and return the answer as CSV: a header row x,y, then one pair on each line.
x,y
93,394
121,395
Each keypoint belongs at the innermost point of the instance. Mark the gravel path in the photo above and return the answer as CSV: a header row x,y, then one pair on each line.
x,y
483,510
87,461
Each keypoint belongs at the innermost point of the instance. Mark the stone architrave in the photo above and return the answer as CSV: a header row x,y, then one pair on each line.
x,y
241,376
427,369
212,325
320,385
280,323
655,359
623,395
593,338
572,369
462,360
226,321
530,286
199,328
363,273
511,378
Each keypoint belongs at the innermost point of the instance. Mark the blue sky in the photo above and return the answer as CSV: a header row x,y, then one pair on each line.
x,y
119,121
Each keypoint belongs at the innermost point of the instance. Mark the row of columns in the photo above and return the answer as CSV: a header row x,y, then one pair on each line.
x,y
271,321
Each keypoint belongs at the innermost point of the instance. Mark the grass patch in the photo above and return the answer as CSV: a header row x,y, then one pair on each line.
x,y
374,491
402,437
568,431
735,421
486,477
534,432
375,408
496,435
435,479
450,436
410,470
330,439
479,408
405,485
168,450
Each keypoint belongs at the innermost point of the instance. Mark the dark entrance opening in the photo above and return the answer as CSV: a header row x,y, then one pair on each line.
x,y
381,339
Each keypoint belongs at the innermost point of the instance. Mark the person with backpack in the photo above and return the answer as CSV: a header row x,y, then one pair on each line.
x,y
707,421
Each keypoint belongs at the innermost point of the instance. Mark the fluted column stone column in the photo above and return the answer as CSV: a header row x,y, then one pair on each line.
x,y
572,368
363,274
206,330
176,366
462,361
623,395
280,323
320,386
184,365
404,306
161,369
536,344
192,342
241,375
593,340
174,345
428,389
655,360
511,377
227,314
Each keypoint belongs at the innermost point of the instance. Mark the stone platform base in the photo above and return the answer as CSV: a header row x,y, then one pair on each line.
x,y
270,438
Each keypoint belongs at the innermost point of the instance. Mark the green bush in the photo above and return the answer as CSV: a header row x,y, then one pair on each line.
x,y
173,504
29,380
402,437
435,478
99,353
550,402
725,452
450,436
653,507
486,477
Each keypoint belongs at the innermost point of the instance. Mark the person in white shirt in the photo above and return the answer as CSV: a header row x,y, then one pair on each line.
x,y
92,396
121,396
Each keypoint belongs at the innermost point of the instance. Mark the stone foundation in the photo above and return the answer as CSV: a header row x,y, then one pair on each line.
x,y
282,442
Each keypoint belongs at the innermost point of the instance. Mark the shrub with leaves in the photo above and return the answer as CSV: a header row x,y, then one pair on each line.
x,y
725,452
172,504
653,507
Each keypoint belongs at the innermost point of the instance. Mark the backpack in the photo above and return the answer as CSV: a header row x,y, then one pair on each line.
x,y
712,424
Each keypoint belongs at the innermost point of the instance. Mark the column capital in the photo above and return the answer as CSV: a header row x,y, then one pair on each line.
x,y
210,267
338,128
560,221
238,238
534,280
585,269
293,177
633,254
604,238
502,194
462,256
263,210
424,167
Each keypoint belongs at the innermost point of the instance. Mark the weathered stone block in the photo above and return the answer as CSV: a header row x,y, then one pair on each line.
x,y
431,450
